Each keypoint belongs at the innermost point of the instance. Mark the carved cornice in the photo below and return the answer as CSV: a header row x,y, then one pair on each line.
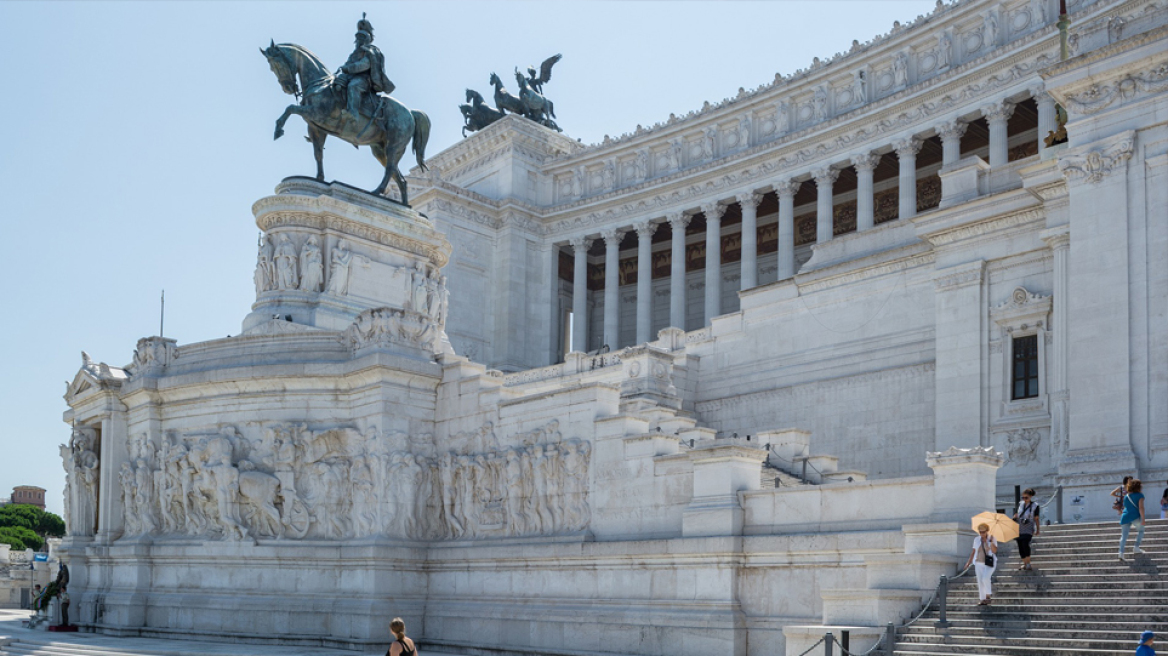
x,y
984,227
1100,161
439,253
962,275
807,285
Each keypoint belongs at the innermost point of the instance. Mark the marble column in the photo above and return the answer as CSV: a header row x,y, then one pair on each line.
x,y
645,230
677,223
786,191
865,202
580,246
906,151
612,241
951,133
1047,117
824,223
749,201
998,115
713,213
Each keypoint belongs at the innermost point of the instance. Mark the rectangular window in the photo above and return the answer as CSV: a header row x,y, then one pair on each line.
x,y
1025,374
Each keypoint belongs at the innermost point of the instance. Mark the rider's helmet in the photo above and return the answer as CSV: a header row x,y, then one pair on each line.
x,y
365,28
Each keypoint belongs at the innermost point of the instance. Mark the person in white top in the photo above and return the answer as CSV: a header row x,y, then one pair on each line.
x,y
985,548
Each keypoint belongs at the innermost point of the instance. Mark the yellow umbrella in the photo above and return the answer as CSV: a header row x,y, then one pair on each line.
x,y
1002,527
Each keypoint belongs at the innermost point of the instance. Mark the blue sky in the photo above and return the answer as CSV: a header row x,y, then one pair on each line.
x,y
137,135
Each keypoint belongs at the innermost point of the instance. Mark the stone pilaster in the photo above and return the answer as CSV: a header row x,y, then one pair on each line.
x,y
998,115
959,304
951,133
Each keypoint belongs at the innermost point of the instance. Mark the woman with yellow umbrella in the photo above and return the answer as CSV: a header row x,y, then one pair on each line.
x,y
992,528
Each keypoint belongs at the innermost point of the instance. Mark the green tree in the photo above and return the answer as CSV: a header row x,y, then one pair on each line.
x,y
39,522
20,538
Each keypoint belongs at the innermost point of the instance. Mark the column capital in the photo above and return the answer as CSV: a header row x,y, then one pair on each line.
x,y
750,198
952,129
713,210
1058,239
678,220
645,229
787,188
998,111
1039,94
825,176
908,147
613,236
865,161
580,244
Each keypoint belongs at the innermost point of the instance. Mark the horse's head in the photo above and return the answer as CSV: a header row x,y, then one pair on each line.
x,y
495,80
285,72
470,95
466,110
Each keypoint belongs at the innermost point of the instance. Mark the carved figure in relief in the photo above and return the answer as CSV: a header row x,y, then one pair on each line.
x,y
265,273
859,88
641,164
340,268
900,70
820,103
145,519
129,511
82,469
783,118
744,131
709,142
944,50
285,263
311,266
991,29
608,176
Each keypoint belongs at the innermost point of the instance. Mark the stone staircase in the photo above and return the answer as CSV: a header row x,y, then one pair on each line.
x,y
1079,599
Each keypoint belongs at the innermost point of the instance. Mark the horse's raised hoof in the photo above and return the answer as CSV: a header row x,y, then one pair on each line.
x,y
279,133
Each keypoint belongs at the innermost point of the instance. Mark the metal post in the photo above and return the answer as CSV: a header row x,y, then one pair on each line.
x,y
846,642
889,638
943,598
1058,507
1017,496
828,642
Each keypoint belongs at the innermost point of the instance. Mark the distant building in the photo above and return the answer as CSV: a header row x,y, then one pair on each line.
x,y
30,494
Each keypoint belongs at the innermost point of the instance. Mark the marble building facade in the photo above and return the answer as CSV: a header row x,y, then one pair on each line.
x,y
567,387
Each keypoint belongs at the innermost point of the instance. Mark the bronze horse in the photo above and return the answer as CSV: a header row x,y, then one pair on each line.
x,y
387,127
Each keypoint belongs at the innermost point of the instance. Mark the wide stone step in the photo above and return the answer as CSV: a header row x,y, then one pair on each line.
x,y
986,640
1073,623
959,633
984,650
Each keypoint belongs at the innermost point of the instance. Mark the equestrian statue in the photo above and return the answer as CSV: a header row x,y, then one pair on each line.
x,y
353,105
530,103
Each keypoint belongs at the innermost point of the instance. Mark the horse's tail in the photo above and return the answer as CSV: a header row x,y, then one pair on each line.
x,y
551,109
421,136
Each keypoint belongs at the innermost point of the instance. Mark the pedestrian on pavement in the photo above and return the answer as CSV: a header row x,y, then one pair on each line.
x,y
1133,511
984,559
403,646
1029,522
63,595
1118,494
1164,505
36,600
1147,641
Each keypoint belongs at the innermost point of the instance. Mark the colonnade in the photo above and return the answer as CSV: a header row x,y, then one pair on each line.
x,y
864,163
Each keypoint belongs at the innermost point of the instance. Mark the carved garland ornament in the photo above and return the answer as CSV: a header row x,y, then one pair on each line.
x,y
1098,97
1096,164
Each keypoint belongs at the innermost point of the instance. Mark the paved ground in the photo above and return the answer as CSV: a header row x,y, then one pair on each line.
x,y
21,639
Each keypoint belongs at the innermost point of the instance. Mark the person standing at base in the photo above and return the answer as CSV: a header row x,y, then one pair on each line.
x,y
1133,510
984,558
1164,505
63,595
1028,525
1147,642
403,646
1118,494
